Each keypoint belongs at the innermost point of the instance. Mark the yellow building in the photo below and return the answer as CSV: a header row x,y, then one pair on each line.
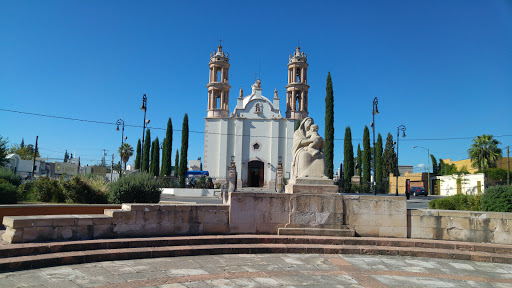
x,y
503,162
415,180
467,164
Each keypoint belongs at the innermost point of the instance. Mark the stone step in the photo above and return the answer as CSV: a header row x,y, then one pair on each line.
x,y
316,232
37,255
88,256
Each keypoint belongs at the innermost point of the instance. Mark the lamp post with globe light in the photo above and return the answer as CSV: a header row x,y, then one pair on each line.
x,y
399,128
375,111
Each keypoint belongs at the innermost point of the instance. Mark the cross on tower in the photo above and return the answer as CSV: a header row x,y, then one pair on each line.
x,y
220,42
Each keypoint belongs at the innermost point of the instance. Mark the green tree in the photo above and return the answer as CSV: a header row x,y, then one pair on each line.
x,y
435,167
3,150
348,160
484,152
297,124
176,164
22,145
367,160
389,157
154,168
167,150
329,127
125,152
359,162
184,151
145,155
137,155
26,153
378,160
66,156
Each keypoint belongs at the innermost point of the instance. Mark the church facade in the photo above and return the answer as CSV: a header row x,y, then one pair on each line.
x,y
255,136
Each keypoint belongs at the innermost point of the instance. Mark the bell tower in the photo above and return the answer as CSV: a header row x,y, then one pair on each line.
x,y
297,88
218,85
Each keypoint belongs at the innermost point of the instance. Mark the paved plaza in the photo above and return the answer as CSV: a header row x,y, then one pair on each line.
x,y
269,270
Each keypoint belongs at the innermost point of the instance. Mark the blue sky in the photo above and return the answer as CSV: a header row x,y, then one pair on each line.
x,y
441,68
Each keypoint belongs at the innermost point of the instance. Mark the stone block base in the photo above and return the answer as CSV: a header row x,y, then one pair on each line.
x,y
311,189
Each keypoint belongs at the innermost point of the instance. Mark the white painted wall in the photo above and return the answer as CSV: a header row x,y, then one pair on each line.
x,y
236,136
469,184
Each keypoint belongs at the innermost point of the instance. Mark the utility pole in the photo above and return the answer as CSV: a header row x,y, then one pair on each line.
x,y
103,160
34,162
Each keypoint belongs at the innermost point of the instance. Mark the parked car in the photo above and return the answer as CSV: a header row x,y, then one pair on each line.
x,y
417,191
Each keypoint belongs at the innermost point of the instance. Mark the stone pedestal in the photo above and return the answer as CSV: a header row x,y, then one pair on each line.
x,y
311,186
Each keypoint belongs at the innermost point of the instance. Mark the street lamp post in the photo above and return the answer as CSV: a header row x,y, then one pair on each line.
x,y
399,128
428,167
121,122
375,111
145,108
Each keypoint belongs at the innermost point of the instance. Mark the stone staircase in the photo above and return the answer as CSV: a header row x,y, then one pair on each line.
x,y
37,255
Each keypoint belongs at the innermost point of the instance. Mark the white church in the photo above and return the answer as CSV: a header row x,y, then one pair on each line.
x,y
255,135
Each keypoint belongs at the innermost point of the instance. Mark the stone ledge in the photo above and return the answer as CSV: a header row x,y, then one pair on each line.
x,y
247,244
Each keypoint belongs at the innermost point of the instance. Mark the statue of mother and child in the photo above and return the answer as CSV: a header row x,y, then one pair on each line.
x,y
308,158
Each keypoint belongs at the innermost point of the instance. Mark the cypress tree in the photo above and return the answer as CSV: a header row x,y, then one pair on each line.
x,y
389,157
66,156
155,158
378,160
22,145
137,156
329,127
435,168
348,161
145,155
184,151
359,163
176,164
367,155
167,150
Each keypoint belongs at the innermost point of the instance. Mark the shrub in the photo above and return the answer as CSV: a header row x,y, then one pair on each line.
x,y
77,190
497,199
497,174
135,188
8,192
457,202
48,190
9,176
26,192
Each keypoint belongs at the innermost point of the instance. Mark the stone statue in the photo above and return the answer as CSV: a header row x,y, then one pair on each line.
x,y
317,145
308,157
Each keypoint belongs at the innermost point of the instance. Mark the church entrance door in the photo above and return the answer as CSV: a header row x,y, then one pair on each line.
x,y
255,175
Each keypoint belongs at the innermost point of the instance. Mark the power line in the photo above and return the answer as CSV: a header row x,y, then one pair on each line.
x,y
229,134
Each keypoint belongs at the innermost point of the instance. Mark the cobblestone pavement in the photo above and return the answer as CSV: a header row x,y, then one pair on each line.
x,y
269,270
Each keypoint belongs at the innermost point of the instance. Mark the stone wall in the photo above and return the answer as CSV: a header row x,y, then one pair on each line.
x,y
368,215
380,216
489,227
132,220
53,209
246,213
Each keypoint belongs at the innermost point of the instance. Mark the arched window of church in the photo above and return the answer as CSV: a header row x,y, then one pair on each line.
x,y
257,108
297,79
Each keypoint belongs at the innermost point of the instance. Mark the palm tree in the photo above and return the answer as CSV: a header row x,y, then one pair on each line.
x,y
125,152
484,152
